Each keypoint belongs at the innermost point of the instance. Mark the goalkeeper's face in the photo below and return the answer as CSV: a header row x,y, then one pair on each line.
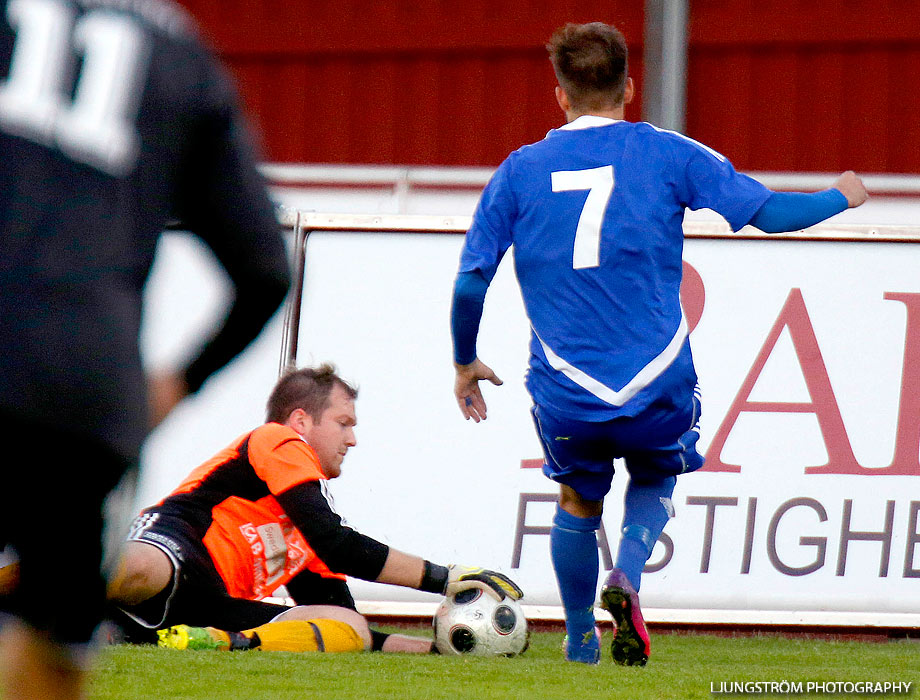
x,y
334,432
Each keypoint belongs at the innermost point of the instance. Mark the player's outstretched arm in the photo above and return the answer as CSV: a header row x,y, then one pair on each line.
x,y
347,551
792,211
467,391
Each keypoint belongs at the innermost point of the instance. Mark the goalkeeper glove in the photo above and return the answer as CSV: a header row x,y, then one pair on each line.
x,y
461,578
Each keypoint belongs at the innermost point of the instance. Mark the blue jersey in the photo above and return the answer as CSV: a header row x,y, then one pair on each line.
x,y
595,213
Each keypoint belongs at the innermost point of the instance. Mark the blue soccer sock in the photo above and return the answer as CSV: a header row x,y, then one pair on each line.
x,y
647,510
573,548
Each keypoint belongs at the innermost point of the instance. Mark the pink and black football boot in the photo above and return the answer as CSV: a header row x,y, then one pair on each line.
x,y
631,645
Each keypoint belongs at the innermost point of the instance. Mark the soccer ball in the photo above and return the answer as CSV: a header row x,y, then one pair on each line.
x,y
473,622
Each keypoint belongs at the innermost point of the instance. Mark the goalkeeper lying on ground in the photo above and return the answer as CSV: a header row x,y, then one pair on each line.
x,y
254,518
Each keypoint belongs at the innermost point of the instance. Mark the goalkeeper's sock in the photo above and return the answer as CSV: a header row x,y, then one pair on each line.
x,y
648,508
283,635
378,639
305,635
231,641
573,548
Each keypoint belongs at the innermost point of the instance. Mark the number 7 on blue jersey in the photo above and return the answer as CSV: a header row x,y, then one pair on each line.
x,y
599,183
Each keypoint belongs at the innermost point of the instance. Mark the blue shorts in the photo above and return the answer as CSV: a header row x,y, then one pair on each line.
x,y
658,443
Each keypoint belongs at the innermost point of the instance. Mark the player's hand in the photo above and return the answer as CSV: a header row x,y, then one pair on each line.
x,y
9,578
852,188
466,388
164,390
497,585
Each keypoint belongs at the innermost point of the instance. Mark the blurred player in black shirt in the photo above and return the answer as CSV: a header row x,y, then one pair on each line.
x,y
114,120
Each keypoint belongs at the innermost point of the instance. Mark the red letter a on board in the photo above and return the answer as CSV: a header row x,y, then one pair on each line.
x,y
793,316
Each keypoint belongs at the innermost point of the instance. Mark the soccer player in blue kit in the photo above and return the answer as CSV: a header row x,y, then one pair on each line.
x,y
595,213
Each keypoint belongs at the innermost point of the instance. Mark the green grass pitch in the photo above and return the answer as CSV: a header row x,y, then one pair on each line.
x,y
682,666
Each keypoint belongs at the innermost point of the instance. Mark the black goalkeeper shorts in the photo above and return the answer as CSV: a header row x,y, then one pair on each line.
x,y
198,596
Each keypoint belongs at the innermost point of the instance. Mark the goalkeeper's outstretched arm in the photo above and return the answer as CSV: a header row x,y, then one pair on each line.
x,y
346,551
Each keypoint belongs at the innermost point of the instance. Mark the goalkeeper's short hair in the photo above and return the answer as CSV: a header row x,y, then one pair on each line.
x,y
307,388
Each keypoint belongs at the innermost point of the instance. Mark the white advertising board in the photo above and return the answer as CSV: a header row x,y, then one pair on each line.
x,y
811,426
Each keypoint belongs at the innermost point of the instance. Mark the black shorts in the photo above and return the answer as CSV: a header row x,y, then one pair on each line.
x,y
197,595
51,514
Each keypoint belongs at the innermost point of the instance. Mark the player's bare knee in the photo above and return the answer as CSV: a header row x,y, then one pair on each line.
x,y
359,624
142,571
